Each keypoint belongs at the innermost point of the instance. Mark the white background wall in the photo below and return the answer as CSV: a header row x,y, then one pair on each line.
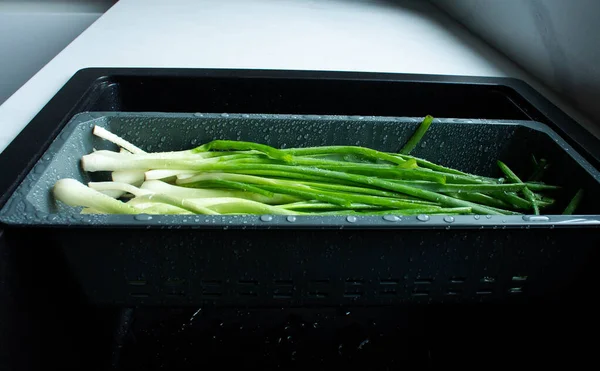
x,y
33,32
558,41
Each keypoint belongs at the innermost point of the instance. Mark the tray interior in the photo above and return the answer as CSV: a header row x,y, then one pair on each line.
x,y
469,145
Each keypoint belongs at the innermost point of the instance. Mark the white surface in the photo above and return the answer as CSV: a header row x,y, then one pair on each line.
x,y
555,40
344,35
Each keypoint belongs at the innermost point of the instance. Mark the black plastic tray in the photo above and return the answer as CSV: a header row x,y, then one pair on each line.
x,y
252,260
300,92
45,323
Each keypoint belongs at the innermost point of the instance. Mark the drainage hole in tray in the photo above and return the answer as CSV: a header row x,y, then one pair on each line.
x,y
137,282
174,282
211,282
457,279
139,295
284,282
176,294
248,293
282,295
519,278
352,295
211,294
248,282
354,281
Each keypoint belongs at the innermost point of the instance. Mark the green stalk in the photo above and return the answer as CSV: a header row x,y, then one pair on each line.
x,y
482,199
540,168
298,189
442,169
360,179
228,145
299,160
157,186
534,186
417,136
482,188
512,199
307,205
575,201
515,179
363,190
356,150
219,183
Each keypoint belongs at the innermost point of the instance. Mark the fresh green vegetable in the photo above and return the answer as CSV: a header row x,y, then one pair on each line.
x,y
526,190
417,136
224,177
575,201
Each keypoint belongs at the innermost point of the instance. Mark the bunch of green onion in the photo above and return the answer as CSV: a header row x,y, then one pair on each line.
x,y
225,177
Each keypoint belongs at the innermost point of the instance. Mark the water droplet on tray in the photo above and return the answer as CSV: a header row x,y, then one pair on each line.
x,y
266,218
391,218
291,218
423,217
449,219
536,218
351,219
476,217
142,217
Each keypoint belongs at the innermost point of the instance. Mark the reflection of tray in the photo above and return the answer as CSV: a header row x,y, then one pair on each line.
x,y
242,260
